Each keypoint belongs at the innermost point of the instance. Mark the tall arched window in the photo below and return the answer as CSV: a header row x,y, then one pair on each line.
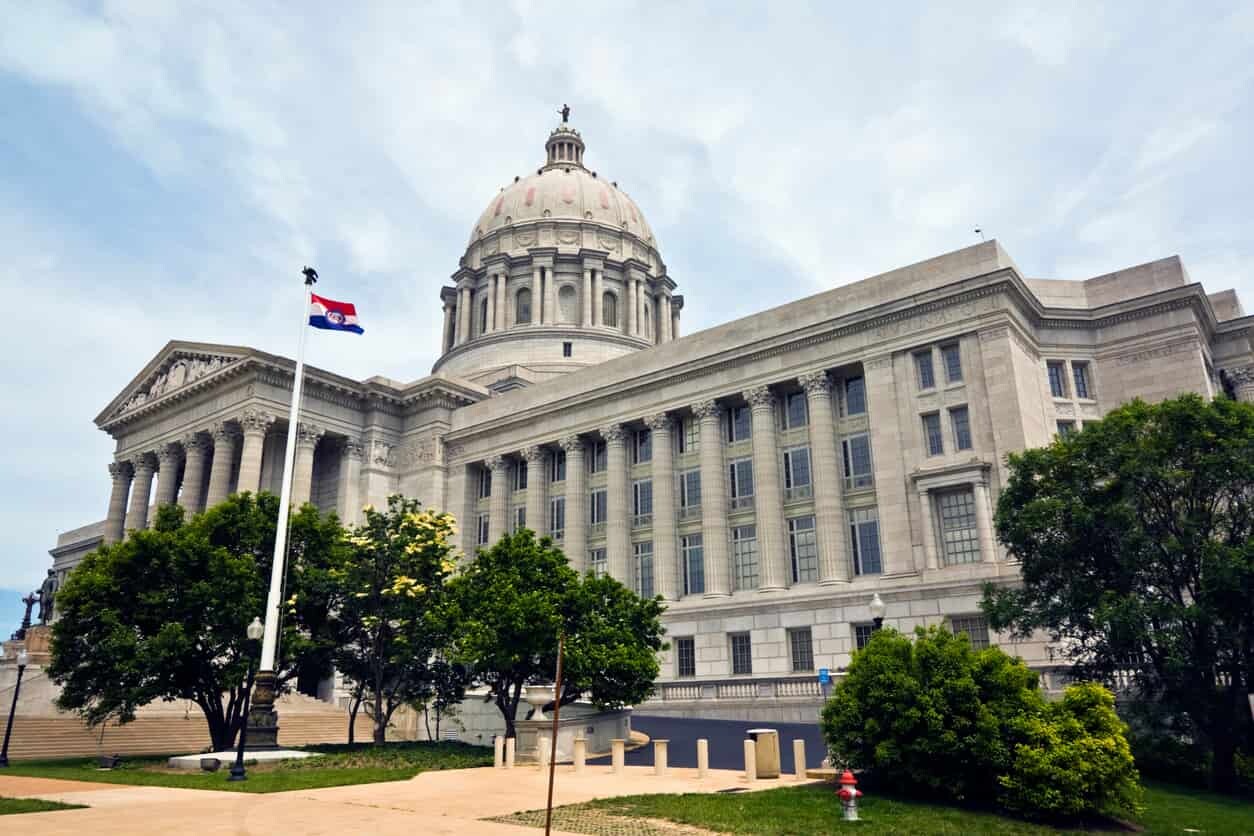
x,y
566,304
483,315
522,306
609,310
646,328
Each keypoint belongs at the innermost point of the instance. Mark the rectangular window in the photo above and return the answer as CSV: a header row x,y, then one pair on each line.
x,y
689,436
855,396
745,557
557,517
932,434
641,447
960,420
856,453
741,654
598,507
520,476
803,549
520,517
689,493
794,411
485,483
483,530
557,466
797,474
685,656
1057,379
1066,428
598,457
1080,375
568,349
923,369
952,355
959,537
597,562
641,503
864,537
738,424
862,634
694,564
642,554
975,626
801,646
740,483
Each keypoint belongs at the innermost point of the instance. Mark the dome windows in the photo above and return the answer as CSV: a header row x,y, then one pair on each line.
x,y
522,307
609,310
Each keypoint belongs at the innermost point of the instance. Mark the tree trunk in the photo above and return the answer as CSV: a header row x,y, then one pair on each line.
x,y
352,717
221,730
1223,769
380,719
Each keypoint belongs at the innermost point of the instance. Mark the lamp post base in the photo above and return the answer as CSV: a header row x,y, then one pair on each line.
x,y
263,720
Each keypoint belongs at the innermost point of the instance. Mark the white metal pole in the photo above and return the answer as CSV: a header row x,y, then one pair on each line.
x,y
270,639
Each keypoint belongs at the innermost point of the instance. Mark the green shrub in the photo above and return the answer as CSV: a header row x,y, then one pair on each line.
x,y
934,717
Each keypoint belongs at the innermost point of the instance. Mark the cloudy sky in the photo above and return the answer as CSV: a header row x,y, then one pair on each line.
x,y
167,168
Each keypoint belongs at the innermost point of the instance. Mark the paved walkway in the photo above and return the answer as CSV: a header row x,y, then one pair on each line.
x,y
447,802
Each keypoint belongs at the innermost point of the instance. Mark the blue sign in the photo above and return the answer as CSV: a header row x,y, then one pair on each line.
x,y
825,676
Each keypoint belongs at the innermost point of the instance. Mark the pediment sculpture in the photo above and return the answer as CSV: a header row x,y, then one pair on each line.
x,y
178,374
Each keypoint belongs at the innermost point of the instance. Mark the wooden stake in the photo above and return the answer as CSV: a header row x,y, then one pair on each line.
x,y
557,707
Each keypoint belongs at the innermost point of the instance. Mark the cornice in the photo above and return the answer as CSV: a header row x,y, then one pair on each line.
x,y
537,332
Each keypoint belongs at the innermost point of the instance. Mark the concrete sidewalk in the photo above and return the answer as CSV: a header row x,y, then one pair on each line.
x,y
440,802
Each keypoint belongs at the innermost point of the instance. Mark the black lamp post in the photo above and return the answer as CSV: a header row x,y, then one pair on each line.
x,y
22,658
878,608
255,631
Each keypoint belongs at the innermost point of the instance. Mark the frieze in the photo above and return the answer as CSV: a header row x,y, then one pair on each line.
x,y
608,240
525,237
566,235
1154,353
182,371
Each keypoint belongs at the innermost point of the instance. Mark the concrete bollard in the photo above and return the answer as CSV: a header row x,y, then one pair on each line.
x,y
703,757
543,752
509,753
498,752
618,755
581,753
659,757
751,761
799,759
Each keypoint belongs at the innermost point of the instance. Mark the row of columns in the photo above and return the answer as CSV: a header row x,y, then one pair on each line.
x,y
213,448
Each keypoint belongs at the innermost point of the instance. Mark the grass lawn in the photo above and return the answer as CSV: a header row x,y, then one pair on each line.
x,y
338,765
10,806
814,809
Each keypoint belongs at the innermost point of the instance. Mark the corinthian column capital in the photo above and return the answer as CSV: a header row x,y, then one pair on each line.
x,y
256,422
534,455
354,448
659,422
815,383
223,431
120,470
706,409
144,463
168,456
571,442
308,435
760,397
614,434
496,464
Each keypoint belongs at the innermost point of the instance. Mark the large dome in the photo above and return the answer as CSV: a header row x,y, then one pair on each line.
x,y
563,190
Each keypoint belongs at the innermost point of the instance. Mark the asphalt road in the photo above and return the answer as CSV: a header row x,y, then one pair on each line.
x,y
726,741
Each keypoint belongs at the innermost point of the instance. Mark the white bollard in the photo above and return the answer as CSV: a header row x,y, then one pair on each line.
x,y
618,755
799,759
543,745
581,753
498,752
751,761
703,757
659,757
509,753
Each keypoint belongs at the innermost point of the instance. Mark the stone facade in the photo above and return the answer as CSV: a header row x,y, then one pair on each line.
x,y
765,476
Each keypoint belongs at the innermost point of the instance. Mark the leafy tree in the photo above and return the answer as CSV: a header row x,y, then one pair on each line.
x,y
390,584
1137,542
162,615
510,605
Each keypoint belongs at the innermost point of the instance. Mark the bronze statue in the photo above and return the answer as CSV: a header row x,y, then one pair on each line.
x,y
47,597
565,111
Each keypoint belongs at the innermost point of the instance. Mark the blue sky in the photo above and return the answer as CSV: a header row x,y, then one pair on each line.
x,y
165,170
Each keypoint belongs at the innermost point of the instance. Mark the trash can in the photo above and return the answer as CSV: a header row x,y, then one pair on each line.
x,y
767,748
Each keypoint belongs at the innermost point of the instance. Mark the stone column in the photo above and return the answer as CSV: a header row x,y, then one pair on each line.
x,y
120,474
664,318
348,494
575,542
890,469
829,510
768,493
928,523
447,338
255,425
550,296
463,314
665,554
984,522
598,298
674,323
502,301
195,448
224,441
713,500
307,437
617,525
498,505
1243,383
537,490
490,325
587,298
537,293
144,466
628,323
168,460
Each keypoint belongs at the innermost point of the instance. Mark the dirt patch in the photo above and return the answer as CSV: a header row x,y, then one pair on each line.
x,y
580,819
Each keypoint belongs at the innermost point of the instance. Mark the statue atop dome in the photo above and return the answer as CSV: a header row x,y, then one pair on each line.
x,y
565,111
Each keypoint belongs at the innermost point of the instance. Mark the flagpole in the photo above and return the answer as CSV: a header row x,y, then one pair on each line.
x,y
262,720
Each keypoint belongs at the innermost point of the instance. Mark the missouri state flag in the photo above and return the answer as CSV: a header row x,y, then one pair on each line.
x,y
333,315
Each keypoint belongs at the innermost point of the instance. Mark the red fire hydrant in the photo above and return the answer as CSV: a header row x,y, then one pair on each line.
x,y
849,795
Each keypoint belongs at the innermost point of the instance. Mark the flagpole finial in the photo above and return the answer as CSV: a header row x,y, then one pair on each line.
x,y
310,274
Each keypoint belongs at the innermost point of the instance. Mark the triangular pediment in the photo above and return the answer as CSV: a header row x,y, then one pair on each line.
x,y
178,367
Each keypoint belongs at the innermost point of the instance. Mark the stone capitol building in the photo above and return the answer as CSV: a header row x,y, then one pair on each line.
x,y
766,476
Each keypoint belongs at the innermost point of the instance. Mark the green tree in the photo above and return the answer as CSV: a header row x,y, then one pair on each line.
x,y
1136,538
162,615
389,587
511,603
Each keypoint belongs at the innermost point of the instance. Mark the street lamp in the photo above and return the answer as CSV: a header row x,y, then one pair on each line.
x,y
254,632
878,608
22,659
